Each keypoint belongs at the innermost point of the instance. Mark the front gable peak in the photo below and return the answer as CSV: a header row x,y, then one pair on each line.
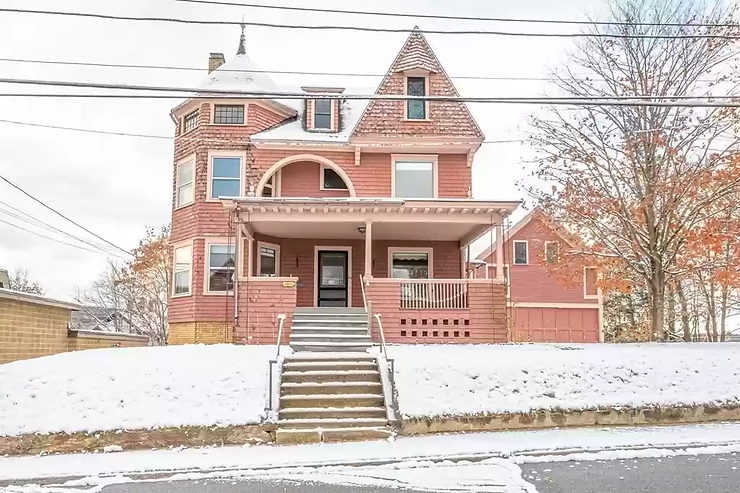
x,y
416,54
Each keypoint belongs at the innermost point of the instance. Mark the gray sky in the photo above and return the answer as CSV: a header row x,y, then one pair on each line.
x,y
117,186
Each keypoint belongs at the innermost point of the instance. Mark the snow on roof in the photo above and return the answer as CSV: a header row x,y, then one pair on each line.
x,y
294,131
239,74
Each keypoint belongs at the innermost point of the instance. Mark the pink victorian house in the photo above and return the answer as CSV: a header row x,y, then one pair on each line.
x,y
329,203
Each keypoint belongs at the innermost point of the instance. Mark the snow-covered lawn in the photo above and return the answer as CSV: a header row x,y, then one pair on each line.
x,y
452,380
134,388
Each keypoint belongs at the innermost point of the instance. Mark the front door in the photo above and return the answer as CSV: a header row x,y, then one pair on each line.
x,y
332,282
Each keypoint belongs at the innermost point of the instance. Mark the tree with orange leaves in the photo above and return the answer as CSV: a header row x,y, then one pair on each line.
x,y
642,184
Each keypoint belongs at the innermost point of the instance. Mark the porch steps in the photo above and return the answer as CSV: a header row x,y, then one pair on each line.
x,y
327,397
332,330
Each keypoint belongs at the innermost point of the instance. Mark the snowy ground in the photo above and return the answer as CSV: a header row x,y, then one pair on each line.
x,y
149,387
451,380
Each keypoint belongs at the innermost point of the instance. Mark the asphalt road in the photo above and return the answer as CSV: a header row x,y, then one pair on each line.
x,y
699,474
243,486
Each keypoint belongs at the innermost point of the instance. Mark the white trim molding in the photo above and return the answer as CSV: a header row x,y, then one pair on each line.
x,y
224,241
513,251
175,247
190,159
322,170
428,251
305,157
422,74
515,304
242,155
272,246
316,250
416,158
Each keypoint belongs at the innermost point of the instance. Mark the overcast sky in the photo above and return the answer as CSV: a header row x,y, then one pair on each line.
x,y
117,186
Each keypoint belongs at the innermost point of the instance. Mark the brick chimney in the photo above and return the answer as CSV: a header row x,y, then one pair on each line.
x,y
215,61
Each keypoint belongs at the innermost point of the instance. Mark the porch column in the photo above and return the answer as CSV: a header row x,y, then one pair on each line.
x,y
368,249
250,254
499,250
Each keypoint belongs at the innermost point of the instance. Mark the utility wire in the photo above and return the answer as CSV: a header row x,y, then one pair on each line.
x,y
451,17
63,216
289,72
24,216
647,100
50,238
91,15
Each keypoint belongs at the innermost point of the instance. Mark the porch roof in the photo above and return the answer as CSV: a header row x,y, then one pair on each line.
x,y
424,219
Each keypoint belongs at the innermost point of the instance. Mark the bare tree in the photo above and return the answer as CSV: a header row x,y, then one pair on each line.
x,y
637,181
19,282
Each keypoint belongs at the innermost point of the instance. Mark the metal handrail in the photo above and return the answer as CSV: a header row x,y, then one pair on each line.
x,y
280,317
364,296
382,336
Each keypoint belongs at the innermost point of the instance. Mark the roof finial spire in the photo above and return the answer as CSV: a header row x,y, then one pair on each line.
x,y
242,41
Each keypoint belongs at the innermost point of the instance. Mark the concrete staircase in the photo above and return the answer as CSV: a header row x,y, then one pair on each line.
x,y
331,388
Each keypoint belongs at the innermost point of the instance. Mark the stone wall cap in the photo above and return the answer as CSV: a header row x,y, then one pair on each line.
x,y
36,299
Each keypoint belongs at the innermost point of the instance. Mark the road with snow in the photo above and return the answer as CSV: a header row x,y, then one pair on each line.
x,y
244,486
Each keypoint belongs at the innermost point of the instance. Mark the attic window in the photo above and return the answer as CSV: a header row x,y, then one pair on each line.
x,y
416,109
228,114
322,119
190,122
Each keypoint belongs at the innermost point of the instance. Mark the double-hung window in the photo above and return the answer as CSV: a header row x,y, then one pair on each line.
x,y
226,175
322,114
416,109
269,260
185,174
183,270
228,114
521,253
190,121
552,251
413,179
221,267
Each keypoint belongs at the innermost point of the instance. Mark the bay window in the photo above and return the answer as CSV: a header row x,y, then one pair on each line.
x,y
221,263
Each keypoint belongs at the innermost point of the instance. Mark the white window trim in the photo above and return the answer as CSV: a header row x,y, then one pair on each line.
x,y
216,154
428,251
175,247
227,102
276,180
513,245
547,242
332,117
321,179
316,250
425,76
207,263
416,158
186,160
275,247
598,290
184,117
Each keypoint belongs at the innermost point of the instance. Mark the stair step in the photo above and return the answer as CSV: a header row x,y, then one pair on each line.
x,y
329,356
330,321
300,366
331,375
330,388
326,423
332,412
325,346
329,329
338,338
332,435
330,400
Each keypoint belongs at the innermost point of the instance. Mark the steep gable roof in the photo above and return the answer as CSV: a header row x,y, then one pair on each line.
x,y
454,116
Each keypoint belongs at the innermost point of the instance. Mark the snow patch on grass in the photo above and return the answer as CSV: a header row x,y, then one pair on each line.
x,y
445,380
135,388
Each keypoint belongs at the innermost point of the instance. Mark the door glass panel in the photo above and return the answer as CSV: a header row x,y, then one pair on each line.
x,y
333,269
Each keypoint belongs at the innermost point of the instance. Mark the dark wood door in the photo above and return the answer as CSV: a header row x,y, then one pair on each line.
x,y
333,281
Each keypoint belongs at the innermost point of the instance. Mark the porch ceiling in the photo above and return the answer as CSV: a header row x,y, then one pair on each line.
x,y
349,231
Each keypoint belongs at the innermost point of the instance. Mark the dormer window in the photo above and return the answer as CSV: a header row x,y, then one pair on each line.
x,y
416,109
190,121
228,114
322,114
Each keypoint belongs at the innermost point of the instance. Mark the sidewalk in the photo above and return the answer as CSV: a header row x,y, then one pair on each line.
x,y
439,447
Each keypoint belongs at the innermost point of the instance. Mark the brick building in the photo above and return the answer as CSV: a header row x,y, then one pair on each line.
x,y
330,201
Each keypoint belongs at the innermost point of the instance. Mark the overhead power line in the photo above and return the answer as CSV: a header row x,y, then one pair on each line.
x,y
185,92
49,237
91,15
63,216
450,17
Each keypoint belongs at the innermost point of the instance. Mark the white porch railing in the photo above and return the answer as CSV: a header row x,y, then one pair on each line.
x,y
434,294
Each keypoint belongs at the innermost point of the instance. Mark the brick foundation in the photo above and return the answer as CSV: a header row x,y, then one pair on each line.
x,y
203,332
261,300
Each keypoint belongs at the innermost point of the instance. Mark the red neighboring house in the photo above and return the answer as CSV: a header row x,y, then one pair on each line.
x,y
281,205
543,308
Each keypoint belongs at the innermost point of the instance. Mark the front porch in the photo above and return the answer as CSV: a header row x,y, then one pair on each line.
x,y
405,260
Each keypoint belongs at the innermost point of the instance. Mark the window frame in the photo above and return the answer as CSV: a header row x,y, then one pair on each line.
x,y
526,250
275,185
416,158
225,154
185,117
332,116
273,246
393,250
557,253
175,248
228,104
408,76
207,265
188,160
587,296
321,179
